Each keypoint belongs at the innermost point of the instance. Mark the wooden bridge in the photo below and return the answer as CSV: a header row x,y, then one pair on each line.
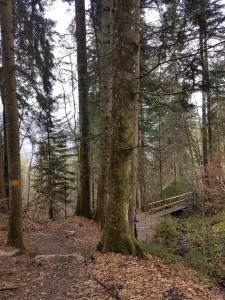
x,y
167,206
158,209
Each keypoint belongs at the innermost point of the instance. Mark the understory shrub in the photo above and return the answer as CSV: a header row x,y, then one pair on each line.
x,y
195,241
166,231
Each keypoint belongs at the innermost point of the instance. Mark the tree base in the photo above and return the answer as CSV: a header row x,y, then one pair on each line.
x,y
125,245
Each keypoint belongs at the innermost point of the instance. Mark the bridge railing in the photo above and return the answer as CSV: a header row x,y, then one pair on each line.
x,y
163,204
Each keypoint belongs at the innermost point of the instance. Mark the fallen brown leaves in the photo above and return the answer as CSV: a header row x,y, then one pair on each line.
x,y
61,263
151,279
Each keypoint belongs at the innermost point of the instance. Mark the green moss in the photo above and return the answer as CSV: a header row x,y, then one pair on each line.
x,y
177,188
125,245
139,252
166,230
201,244
162,252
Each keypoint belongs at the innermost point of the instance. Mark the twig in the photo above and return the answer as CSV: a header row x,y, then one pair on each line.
x,y
9,288
113,289
100,282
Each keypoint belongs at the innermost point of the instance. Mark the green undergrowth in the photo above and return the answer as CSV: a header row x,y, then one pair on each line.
x,y
195,241
177,188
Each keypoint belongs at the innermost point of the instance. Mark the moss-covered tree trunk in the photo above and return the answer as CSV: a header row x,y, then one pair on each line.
x,y
134,153
117,236
142,161
84,200
15,236
105,88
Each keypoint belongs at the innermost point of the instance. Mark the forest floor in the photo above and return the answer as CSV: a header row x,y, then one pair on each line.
x,y
61,263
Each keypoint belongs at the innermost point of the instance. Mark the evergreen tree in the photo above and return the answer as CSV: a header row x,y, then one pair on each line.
x,y
33,64
53,178
207,17
34,59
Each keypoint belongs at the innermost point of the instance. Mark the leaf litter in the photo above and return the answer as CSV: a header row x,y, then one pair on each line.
x,y
61,263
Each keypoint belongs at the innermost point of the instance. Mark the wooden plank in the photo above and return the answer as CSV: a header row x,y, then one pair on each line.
x,y
170,210
165,200
170,204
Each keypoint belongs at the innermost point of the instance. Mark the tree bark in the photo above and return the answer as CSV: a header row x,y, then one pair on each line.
x,y
84,202
117,236
5,154
205,148
134,153
142,160
105,88
15,236
50,175
2,193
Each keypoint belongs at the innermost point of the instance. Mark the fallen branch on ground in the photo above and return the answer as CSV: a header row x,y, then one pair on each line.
x,y
5,288
113,289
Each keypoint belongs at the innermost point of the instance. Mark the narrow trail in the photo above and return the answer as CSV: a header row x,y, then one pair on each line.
x,y
55,264
145,227
61,263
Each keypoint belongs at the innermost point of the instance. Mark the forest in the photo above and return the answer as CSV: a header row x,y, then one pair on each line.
x,y
124,110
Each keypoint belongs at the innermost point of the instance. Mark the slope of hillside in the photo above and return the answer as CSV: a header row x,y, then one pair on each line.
x,y
61,263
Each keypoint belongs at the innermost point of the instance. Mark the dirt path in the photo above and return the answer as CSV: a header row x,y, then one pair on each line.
x,y
55,266
145,227
61,264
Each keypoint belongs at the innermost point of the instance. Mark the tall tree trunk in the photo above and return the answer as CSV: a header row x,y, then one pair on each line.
x,y
2,193
105,87
208,97
142,160
218,140
202,43
5,154
160,160
49,191
2,144
15,233
84,202
117,236
27,196
134,153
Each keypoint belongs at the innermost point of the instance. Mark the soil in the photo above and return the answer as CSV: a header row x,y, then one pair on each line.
x,y
61,263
